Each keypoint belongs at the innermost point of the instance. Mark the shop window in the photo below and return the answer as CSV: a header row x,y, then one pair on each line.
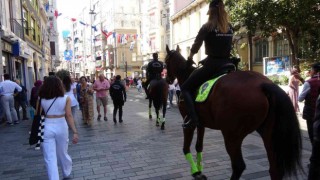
x,y
261,50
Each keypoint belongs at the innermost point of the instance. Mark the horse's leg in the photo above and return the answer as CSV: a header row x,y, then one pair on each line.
x,y
199,147
267,140
150,105
233,146
187,140
158,121
164,110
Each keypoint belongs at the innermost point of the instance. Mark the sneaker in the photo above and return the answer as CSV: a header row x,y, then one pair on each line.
x,y
37,148
16,122
99,116
9,123
105,119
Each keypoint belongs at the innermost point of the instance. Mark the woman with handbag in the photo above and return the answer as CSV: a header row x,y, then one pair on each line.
x,y
58,115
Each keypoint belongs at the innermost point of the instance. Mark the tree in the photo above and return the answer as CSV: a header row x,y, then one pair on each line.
x,y
244,17
293,17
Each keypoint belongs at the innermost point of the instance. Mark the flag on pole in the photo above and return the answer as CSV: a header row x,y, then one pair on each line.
x,y
106,34
56,14
83,23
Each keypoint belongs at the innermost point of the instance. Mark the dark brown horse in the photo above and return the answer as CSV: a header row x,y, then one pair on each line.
x,y
240,103
158,92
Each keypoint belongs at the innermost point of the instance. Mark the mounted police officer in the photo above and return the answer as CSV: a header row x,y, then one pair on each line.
x,y
217,35
154,69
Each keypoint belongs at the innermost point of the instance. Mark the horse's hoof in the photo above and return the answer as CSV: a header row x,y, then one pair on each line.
x,y
162,126
157,123
200,177
150,116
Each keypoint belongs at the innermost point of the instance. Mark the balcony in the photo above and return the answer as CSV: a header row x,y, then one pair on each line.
x,y
17,29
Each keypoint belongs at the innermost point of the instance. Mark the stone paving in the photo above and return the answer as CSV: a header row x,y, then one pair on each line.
x,y
135,149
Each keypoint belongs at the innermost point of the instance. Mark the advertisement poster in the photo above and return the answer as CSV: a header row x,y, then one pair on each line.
x,y
276,65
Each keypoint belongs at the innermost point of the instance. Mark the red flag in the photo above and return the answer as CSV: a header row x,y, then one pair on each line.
x,y
56,14
73,19
106,34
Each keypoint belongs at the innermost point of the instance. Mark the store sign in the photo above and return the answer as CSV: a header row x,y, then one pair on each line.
x,y
6,47
276,65
21,49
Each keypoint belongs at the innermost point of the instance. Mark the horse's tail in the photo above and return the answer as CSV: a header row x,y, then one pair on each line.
x,y
158,95
286,136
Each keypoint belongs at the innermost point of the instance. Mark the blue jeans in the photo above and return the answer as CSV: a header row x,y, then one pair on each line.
x,y
171,92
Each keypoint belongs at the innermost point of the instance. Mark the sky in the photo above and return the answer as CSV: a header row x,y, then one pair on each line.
x,y
68,9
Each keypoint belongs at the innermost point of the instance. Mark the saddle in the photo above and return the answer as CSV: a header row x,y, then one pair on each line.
x,y
205,89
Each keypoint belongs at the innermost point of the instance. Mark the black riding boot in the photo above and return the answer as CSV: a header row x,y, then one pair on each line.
x,y
189,104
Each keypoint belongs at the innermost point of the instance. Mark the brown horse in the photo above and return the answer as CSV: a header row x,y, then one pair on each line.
x,y
158,92
240,103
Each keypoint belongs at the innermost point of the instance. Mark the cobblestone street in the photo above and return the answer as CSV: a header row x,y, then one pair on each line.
x,y
135,149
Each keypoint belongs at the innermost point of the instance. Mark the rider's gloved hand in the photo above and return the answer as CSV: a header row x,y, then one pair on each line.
x,y
190,61
202,62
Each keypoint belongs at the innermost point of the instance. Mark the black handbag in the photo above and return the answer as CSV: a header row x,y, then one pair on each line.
x,y
36,134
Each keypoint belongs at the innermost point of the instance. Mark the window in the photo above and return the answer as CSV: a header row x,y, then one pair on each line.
x,y
25,21
281,47
39,36
33,29
261,50
36,6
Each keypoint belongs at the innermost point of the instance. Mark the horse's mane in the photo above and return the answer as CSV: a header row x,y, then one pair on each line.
x,y
185,67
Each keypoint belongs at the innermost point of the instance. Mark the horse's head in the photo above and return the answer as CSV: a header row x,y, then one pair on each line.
x,y
177,66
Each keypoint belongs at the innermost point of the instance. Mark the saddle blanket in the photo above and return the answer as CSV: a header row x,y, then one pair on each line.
x,y
205,89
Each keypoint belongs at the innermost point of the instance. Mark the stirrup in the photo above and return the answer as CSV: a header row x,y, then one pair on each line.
x,y
190,124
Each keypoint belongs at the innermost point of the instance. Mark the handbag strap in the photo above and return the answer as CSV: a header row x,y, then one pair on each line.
x,y
40,109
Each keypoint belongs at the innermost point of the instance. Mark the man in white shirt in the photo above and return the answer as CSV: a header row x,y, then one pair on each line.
x,y
7,88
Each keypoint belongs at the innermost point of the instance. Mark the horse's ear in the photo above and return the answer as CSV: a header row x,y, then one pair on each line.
x,y
167,49
178,48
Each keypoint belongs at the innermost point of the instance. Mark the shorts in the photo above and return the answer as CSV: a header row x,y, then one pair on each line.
x,y
102,100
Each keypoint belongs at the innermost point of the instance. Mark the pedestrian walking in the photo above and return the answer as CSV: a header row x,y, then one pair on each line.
x,y
7,88
34,93
314,169
293,90
70,90
171,93
58,116
119,96
20,100
86,101
309,95
101,86
139,85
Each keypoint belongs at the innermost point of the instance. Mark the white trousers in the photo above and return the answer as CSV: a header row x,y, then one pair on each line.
x,y
55,147
8,107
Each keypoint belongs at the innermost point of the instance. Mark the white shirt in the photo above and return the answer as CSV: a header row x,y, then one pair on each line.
x,y
7,88
171,87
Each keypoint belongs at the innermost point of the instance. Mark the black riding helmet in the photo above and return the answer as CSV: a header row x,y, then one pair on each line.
x,y
155,56
215,3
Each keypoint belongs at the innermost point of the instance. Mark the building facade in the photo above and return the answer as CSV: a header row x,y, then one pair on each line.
x,y
25,48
